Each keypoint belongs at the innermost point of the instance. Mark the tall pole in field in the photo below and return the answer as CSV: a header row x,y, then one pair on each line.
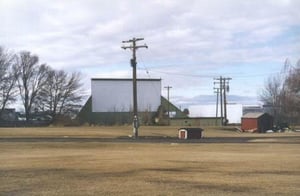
x,y
221,98
133,63
224,87
217,104
168,88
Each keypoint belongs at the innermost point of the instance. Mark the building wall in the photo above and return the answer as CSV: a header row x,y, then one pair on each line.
x,y
116,95
234,112
265,123
249,123
252,109
262,123
195,122
111,118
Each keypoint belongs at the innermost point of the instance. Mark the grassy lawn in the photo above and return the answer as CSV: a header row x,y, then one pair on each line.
x,y
105,161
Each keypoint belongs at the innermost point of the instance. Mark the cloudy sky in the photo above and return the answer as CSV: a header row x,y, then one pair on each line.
x,y
190,41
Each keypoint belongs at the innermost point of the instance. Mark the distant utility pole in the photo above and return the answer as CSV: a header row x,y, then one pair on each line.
x,y
133,63
217,105
224,87
168,88
221,98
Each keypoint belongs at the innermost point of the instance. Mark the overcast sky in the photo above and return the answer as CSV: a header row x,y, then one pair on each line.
x,y
190,42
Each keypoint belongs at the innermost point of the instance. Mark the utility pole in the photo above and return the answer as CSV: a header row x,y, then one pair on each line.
x,y
224,87
133,63
221,98
217,104
168,88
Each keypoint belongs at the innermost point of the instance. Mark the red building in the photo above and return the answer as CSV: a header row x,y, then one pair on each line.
x,y
257,122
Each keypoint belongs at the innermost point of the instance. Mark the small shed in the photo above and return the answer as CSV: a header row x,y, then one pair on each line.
x,y
257,122
190,133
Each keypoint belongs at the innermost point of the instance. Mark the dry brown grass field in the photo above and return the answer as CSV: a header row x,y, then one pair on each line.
x,y
105,161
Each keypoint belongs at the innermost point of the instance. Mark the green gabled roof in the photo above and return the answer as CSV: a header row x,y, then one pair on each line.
x,y
172,107
86,114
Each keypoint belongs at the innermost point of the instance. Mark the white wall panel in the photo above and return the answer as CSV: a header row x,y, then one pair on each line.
x,y
234,112
115,95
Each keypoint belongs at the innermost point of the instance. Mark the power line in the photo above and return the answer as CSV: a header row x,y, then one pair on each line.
x,y
145,67
158,90
180,74
235,75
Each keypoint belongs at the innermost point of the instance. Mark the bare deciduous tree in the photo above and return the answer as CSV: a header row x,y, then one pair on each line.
x,y
271,95
40,87
72,95
292,94
31,80
62,93
8,79
282,94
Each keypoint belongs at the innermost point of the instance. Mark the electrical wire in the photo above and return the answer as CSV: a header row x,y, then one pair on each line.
x,y
236,75
148,74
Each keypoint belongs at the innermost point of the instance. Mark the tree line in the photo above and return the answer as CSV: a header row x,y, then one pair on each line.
x,y
281,94
39,87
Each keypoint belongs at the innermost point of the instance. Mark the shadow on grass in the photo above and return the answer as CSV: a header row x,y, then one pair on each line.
x,y
38,180
160,139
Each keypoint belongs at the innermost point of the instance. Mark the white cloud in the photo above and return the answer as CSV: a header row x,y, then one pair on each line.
x,y
195,37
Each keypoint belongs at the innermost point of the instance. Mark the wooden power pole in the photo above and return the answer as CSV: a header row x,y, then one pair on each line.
x,y
226,89
133,63
217,104
221,91
168,89
221,99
